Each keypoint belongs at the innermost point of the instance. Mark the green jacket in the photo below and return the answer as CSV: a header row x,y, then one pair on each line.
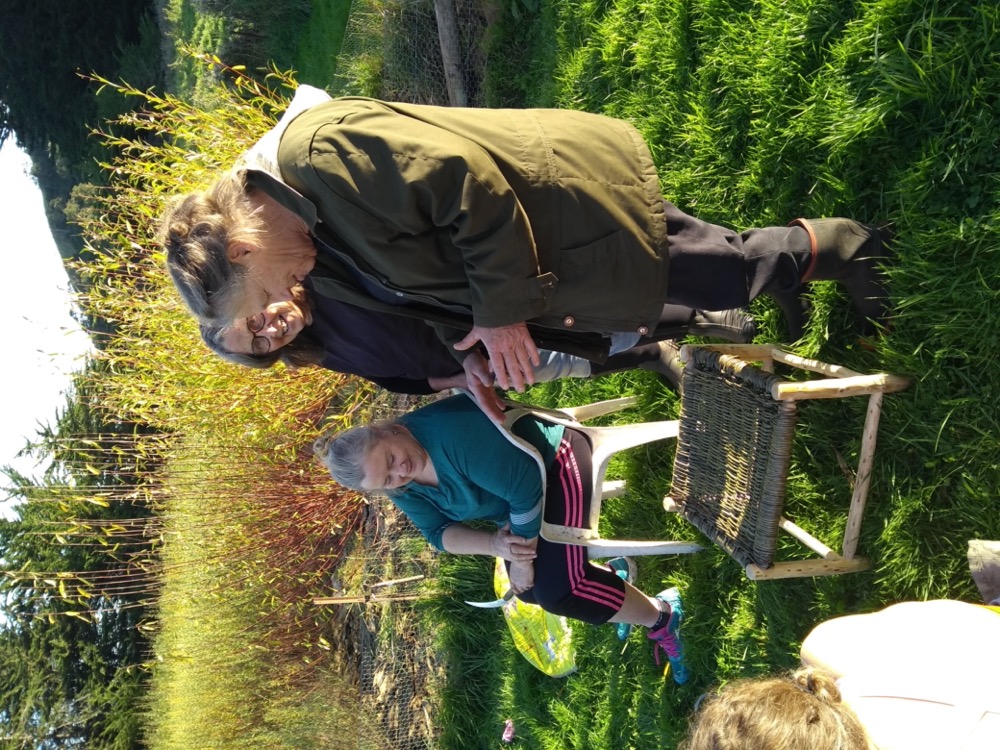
x,y
549,216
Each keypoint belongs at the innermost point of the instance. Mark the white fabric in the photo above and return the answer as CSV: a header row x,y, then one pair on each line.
x,y
555,365
264,154
622,340
919,675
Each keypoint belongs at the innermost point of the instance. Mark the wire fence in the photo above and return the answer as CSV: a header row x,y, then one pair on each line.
x,y
378,585
392,50
398,668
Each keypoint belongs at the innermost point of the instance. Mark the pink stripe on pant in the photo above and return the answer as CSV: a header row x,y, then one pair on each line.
x,y
566,583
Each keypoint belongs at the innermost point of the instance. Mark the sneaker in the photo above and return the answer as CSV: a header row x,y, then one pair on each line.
x,y
669,638
625,569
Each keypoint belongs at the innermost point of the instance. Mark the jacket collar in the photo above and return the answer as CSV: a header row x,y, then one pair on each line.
x,y
287,197
263,155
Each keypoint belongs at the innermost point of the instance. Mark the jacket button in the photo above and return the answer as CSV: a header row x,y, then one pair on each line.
x,y
568,321
642,330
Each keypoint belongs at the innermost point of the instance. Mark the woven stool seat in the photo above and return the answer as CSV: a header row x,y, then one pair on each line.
x,y
733,448
732,455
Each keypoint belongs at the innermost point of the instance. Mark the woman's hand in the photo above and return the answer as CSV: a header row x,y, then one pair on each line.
x,y
522,576
479,382
513,354
512,547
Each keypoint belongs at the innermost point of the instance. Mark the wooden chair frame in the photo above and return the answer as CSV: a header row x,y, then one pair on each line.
x,y
838,382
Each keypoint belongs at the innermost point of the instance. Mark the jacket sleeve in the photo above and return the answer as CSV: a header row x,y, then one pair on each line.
x,y
419,178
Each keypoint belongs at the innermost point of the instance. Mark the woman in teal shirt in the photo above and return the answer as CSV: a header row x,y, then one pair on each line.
x,y
448,463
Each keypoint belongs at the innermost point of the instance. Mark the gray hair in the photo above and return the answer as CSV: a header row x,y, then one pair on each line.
x,y
344,453
197,231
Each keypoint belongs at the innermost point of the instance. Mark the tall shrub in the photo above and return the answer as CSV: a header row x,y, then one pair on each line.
x,y
251,525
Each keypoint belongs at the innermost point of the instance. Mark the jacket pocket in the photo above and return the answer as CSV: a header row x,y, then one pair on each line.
x,y
593,269
610,284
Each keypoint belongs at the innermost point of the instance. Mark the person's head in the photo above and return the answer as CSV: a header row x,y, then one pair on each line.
x,y
232,250
263,339
802,711
374,457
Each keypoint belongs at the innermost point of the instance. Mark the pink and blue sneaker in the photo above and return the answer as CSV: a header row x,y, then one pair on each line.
x,y
668,637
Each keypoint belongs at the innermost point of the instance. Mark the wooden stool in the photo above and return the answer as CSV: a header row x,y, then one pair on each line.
x,y
733,448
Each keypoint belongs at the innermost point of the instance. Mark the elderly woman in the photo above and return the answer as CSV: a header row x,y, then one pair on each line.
x,y
403,355
516,229
445,464
912,676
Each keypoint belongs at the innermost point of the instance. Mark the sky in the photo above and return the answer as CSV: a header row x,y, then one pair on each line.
x,y
43,344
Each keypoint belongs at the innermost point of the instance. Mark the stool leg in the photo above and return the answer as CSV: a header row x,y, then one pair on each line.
x,y
863,479
806,568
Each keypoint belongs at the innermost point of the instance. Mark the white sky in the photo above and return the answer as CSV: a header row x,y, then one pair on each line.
x,y
42,343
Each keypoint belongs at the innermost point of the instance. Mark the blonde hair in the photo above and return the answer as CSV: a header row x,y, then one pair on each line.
x,y
197,231
801,711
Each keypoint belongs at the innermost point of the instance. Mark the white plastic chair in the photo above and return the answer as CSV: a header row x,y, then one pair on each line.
x,y
605,441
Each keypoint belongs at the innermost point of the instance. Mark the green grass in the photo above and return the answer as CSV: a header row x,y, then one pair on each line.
x,y
303,36
318,43
758,112
522,55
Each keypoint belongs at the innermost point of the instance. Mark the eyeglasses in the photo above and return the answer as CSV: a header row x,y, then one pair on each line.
x,y
259,345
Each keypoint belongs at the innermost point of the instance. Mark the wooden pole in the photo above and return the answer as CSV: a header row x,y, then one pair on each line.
x,y
448,36
864,476
806,568
814,365
365,599
859,385
746,352
807,539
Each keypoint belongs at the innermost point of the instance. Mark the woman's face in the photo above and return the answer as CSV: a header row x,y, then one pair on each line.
x,y
269,330
282,257
394,461
272,275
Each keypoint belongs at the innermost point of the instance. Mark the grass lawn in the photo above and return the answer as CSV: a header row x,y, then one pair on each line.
x,y
319,42
758,112
304,36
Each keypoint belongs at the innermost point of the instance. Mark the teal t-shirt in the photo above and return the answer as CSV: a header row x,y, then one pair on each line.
x,y
481,475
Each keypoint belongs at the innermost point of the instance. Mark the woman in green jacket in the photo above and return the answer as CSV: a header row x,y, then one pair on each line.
x,y
509,228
